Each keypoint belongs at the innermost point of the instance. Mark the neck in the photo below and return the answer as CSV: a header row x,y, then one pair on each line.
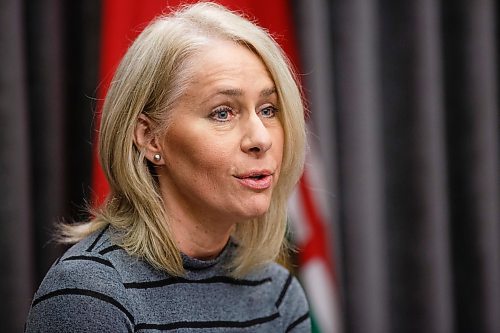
x,y
199,238
198,243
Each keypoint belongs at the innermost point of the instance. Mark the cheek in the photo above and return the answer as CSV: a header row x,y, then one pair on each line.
x,y
278,148
279,143
195,151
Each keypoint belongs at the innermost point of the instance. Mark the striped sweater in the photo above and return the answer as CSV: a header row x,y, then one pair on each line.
x,y
97,287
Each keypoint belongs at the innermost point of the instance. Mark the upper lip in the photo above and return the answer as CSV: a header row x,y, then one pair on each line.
x,y
254,173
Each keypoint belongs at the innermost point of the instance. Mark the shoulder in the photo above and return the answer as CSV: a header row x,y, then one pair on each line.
x,y
290,298
82,291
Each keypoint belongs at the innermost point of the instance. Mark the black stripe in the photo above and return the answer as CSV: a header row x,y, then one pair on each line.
x,y
96,259
283,291
297,322
85,292
197,269
207,324
175,280
97,239
109,249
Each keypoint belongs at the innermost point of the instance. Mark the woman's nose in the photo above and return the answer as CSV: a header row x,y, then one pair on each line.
x,y
257,139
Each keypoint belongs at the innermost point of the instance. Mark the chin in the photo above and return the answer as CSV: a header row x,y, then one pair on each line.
x,y
252,208
256,212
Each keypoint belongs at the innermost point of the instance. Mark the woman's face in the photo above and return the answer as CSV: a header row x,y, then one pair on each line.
x,y
224,145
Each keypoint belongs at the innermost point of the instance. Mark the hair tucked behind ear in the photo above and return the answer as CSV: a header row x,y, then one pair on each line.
x,y
152,75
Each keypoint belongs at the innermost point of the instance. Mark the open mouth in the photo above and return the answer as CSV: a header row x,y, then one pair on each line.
x,y
256,180
257,177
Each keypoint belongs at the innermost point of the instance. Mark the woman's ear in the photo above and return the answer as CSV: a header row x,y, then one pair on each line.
x,y
146,141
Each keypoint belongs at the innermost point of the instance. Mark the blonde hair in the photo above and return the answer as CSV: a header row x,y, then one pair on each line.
x,y
153,74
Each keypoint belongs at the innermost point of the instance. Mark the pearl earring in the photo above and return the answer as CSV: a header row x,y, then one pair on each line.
x,y
157,157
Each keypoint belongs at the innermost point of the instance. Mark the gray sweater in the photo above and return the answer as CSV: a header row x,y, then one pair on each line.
x,y
97,287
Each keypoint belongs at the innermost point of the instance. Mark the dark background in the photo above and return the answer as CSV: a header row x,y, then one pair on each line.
x,y
409,91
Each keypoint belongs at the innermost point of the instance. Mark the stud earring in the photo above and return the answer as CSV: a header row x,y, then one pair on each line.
x,y
157,157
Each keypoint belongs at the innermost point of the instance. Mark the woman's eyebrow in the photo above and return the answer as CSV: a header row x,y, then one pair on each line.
x,y
230,92
239,92
268,92
236,92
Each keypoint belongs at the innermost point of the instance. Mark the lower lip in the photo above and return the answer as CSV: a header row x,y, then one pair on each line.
x,y
257,184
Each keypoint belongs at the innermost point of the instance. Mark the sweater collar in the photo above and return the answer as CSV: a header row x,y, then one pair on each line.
x,y
191,263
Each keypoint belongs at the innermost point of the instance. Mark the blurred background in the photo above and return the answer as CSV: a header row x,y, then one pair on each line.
x,y
397,215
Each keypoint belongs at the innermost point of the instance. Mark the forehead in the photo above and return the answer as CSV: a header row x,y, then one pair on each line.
x,y
226,65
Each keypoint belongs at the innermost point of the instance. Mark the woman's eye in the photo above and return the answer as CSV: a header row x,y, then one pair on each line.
x,y
222,114
269,112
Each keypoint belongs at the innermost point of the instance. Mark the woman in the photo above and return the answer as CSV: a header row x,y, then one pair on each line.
x,y
202,140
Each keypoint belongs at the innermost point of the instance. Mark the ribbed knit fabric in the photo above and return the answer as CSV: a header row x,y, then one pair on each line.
x,y
97,287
